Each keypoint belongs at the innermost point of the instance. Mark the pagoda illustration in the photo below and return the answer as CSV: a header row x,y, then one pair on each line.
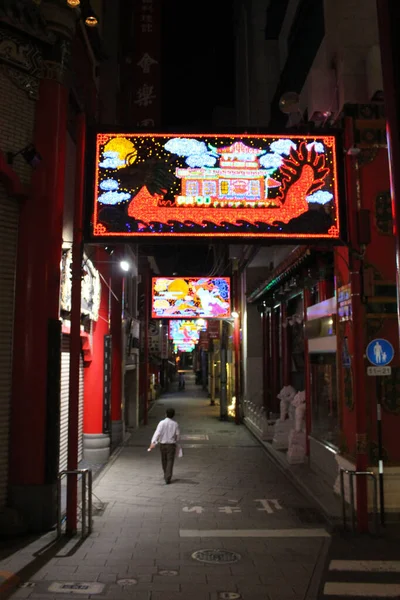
x,y
239,177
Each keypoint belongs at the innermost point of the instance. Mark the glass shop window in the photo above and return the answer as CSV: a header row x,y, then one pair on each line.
x,y
324,401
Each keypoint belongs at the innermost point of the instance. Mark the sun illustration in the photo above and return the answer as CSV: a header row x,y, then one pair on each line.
x,y
125,148
180,287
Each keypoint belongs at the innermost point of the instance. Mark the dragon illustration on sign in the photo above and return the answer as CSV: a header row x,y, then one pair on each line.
x,y
262,186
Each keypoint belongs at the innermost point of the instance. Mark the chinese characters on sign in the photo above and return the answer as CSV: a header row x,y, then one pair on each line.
x,y
226,185
146,64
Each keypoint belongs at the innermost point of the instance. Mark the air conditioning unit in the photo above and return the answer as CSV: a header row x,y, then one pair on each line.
x,y
322,95
374,74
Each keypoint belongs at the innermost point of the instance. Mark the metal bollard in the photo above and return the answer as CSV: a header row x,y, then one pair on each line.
x,y
352,475
86,502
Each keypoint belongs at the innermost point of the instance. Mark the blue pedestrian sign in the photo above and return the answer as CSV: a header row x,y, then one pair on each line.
x,y
380,352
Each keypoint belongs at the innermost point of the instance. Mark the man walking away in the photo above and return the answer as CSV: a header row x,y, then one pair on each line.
x,y
181,381
166,434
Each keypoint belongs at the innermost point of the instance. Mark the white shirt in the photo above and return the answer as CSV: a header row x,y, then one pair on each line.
x,y
167,432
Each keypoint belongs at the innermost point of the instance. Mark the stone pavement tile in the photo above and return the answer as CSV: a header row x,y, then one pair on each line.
x,y
122,594
193,595
193,578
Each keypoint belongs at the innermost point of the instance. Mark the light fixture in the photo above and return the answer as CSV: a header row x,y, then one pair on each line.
x,y
91,20
125,266
73,3
235,314
30,155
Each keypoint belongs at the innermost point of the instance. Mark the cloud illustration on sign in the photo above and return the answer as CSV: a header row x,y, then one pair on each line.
x,y
201,160
271,160
112,160
317,146
282,146
185,146
320,197
113,197
109,184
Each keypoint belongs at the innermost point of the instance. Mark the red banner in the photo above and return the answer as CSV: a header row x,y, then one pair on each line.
x,y
213,330
146,65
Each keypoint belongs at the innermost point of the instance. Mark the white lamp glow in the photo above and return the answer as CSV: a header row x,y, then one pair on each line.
x,y
125,266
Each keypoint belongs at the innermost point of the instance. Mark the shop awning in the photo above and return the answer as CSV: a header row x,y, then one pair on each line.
x,y
287,266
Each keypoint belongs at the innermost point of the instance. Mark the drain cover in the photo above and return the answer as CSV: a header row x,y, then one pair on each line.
x,y
125,582
220,557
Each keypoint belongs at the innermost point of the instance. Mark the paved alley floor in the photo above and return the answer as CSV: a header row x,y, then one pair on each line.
x,y
229,526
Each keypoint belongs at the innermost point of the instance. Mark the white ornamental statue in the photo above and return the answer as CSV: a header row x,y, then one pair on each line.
x,y
286,396
297,437
284,424
299,403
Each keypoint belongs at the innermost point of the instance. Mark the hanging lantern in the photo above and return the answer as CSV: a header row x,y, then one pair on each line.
x,y
73,3
91,21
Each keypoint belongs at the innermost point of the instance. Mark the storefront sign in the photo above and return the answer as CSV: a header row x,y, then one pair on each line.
x,y
146,106
164,341
213,330
227,185
344,303
203,341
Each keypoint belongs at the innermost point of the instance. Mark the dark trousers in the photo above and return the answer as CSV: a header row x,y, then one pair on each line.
x,y
168,452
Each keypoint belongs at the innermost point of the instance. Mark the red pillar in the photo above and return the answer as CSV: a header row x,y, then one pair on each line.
x,y
93,404
274,359
358,329
236,345
33,422
146,366
307,378
285,346
116,370
266,362
75,337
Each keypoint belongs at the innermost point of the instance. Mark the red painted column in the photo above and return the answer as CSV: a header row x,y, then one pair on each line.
x,y
236,345
274,360
146,366
116,371
358,330
75,337
307,370
285,346
93,404
266,362
37,293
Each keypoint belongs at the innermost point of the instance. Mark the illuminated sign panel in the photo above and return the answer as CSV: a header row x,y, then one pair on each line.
x,y
194,297
189,185
185,333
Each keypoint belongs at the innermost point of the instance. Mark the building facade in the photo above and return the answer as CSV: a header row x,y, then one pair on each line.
x,y
56,72
312,310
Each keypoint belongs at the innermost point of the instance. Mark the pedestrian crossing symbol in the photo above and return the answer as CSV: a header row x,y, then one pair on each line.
x,y
380,352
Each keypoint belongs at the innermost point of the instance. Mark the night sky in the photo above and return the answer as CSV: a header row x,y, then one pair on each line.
x,y
197,62
197,75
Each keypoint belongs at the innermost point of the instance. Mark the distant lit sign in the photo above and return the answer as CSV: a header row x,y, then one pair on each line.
x,y
186,330
215,185
196,297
